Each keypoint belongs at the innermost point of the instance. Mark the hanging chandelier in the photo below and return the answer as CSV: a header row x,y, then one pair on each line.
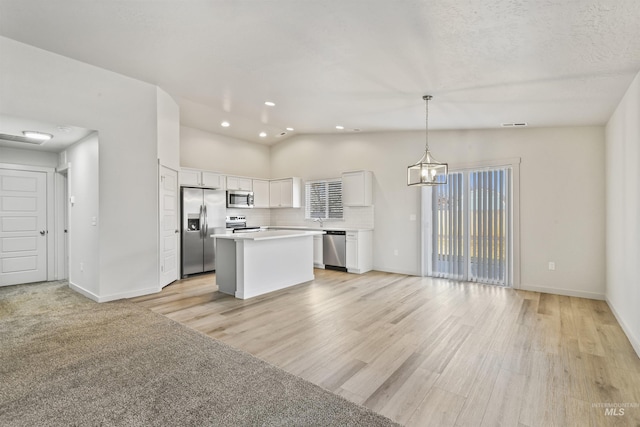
x,y
427,171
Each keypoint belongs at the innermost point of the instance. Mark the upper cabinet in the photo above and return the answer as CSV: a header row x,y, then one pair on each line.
x,y
212,180
357,188
190,177
285,193
196,178
238,183
260,193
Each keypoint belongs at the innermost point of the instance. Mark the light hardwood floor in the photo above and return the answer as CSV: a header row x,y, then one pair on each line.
x,y
430,352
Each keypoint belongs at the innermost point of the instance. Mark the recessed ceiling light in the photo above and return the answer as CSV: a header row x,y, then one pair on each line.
x,y
225,124
40,136
290,129
339,127
263,134
270,104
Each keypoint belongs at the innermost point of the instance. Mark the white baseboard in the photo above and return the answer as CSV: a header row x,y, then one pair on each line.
x,y
560,291
113,297
84,292
635,341
392,270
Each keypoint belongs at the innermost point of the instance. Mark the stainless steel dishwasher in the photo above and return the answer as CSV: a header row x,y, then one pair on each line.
x,y
334,250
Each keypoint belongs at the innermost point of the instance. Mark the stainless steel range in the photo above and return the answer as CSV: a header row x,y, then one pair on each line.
x,y
238,224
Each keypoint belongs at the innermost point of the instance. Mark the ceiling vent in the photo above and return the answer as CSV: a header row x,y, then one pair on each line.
x,y
15,138
514,125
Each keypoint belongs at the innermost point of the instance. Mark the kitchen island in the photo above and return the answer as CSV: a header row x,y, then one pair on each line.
x,y
252,264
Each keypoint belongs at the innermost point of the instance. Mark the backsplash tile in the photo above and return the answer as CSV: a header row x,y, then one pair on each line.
x,y
354,217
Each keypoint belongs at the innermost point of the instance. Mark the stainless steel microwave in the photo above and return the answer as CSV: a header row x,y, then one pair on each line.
x,y
239,199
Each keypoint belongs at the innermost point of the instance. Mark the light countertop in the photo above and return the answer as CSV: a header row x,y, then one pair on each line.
x,y
302,227
268,235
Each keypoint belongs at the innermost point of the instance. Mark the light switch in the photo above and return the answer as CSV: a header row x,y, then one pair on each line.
x,y
412,217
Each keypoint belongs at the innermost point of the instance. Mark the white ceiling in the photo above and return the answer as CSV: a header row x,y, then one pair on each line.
x,y
63,135
362,64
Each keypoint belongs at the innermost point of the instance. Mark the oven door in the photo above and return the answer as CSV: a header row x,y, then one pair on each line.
x,y
239,199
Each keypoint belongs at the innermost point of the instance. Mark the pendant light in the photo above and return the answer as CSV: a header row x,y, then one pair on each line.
x,y
427,171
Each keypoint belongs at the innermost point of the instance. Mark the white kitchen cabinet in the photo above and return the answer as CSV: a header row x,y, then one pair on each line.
x,y
318,256
285,193
239,183
189,177
359,251
260,193
357,188
198,178
212,180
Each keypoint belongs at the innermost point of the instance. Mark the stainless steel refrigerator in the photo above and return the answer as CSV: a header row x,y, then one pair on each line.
x,y
203,213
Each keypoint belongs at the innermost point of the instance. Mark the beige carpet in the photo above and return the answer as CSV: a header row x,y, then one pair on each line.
x,y
65,360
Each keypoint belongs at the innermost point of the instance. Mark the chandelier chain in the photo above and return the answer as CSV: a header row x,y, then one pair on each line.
x,y
426,142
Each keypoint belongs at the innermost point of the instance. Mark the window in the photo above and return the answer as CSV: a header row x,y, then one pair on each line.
x,y
323,199
471,220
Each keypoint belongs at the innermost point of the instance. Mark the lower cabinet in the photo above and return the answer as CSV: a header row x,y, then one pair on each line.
x,y
359,251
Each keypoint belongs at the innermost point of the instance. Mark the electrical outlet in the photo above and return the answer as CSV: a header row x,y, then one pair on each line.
x,y
395,252
82,266
552,266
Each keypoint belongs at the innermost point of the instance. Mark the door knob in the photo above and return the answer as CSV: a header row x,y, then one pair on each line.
x,y
42,232
177,231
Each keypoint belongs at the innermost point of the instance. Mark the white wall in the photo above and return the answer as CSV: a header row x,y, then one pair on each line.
x,y
44,86
623,213
209,151
20,156
84,237
562,209
168,130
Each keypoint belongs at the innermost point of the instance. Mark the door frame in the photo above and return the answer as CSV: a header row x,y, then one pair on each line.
x,y
62,223
426,209
52,232
177,224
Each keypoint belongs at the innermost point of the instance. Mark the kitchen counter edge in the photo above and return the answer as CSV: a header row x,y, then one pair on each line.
x,y
302,227
268,235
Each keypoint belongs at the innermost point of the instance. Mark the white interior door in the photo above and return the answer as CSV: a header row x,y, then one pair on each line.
x,y
169,233
23,226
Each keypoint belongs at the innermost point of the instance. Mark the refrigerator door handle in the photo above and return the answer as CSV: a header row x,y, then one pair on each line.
x,y
201,218
206,223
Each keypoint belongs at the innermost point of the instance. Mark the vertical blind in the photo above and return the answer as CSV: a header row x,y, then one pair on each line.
x,y
489,212
471,223
449,228
323,199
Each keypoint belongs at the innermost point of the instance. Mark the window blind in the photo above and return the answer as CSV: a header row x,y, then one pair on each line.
x,y
471,226
489,222
449,229
323,199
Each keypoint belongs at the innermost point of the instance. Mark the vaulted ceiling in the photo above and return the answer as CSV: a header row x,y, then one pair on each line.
x,y
361,64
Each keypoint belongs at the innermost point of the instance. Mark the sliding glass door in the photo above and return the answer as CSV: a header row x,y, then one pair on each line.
x,y
472,227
